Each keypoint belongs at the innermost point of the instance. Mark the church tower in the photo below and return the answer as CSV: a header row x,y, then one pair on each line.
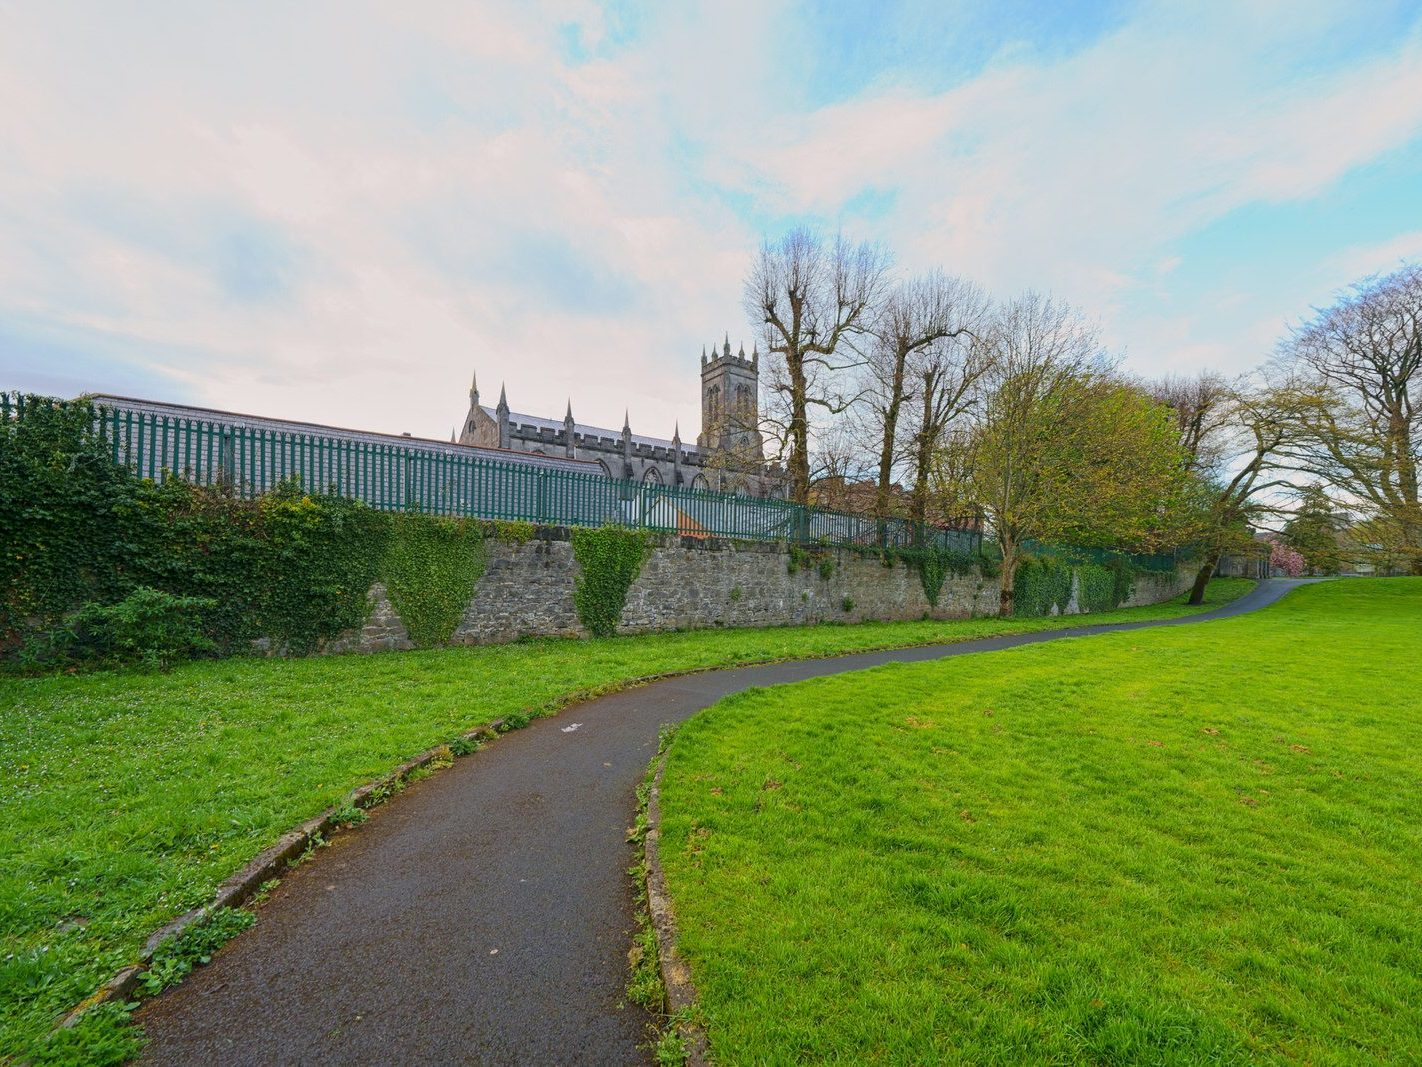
x,y
730,404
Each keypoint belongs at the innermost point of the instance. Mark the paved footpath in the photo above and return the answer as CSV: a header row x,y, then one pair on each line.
x,y
484,916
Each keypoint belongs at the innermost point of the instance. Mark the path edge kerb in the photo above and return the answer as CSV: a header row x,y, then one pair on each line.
x,y
676,976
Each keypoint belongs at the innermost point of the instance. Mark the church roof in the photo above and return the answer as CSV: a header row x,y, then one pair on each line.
x,y
556,425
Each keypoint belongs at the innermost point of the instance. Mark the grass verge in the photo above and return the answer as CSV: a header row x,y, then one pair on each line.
x,y
126,799
1183,845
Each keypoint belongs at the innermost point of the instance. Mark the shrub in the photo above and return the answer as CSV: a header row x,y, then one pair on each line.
x,y
148,628
62,496
322,554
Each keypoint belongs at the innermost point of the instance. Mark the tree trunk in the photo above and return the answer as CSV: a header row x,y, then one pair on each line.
x,y
889,440
799,436
1005,600
923,459
1202,579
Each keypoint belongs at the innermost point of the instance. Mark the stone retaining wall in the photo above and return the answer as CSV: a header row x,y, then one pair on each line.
x,y
687,583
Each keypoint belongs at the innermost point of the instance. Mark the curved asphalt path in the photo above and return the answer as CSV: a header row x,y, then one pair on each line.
x,y
485,917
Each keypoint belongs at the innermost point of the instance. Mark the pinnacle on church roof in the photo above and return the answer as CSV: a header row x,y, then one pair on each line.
x,y
728,344
742,353
569,416
503,397
474,384
676,432
626,421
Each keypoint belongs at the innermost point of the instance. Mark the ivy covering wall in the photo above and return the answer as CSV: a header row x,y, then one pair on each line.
x,y
611,557
430,568
1044,583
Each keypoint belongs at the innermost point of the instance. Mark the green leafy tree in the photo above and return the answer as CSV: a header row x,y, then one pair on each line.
x,y
1062,450
1313,532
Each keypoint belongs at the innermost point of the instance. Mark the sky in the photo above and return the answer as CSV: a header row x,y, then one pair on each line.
x,y
338,212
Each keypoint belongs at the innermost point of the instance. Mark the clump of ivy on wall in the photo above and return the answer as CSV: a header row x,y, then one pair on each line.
x,y
431,567
611,557
1045,581
1042,583
934,564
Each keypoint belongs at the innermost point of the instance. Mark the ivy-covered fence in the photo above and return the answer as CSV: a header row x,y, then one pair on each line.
x,y
430,478
97,564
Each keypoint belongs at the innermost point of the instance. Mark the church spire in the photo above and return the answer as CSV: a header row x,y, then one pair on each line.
x,y
502,412
728,344
474,387
626,422
569,416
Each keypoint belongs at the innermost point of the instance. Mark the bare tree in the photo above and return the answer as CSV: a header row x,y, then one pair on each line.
x,y
813,300
947,378
1200,406
1362,359
910,353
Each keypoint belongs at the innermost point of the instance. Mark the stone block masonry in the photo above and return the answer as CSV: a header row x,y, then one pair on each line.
x,y
690,583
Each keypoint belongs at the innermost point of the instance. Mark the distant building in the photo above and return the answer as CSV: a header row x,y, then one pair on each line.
x,y
729,454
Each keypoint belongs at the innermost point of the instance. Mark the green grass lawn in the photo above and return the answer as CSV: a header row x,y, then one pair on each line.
x,y
125,799
1189,845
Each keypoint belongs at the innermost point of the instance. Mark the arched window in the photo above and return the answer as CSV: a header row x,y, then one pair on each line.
x,y
606,470
651,476
699,482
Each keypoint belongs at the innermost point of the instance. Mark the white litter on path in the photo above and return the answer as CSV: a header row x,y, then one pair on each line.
x,y
569,729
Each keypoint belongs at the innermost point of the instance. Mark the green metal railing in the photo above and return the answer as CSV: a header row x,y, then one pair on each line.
x,y
458,482
1076,554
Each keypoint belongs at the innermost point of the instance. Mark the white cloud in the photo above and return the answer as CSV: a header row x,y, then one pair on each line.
x,y
335,212
1362,260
